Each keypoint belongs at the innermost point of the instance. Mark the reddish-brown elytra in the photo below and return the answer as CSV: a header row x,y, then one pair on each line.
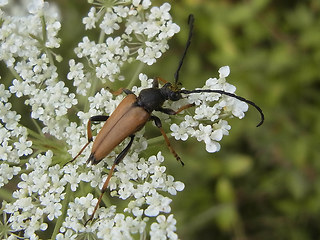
x,y
135,111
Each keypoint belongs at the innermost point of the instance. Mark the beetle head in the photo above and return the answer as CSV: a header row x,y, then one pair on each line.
x,y
170,92
174,95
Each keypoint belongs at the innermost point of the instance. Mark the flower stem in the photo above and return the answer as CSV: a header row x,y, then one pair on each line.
x,y
135,75
101,37
155,140
6,195
44,40
15,74
91,93
64,211
37,126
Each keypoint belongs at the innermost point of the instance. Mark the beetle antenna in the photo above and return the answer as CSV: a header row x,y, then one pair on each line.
x,y
230,95
190,22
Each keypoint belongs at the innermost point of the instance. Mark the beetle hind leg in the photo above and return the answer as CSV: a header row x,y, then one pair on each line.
x,y
106,183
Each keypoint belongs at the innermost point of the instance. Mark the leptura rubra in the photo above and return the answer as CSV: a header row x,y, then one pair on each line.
x,y
135,111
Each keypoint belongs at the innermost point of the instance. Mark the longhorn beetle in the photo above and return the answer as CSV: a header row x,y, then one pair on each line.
x,y
133,113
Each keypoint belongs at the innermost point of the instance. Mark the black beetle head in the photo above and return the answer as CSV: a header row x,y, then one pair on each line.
x,y
174,95
170,92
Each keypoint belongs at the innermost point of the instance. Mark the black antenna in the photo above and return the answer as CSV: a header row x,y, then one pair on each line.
x,y
190,22
230,95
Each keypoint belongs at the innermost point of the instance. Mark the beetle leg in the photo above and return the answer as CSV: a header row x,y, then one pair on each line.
x,y
106,183
155,83
168,111
184,107
156,80
159,79
172,112
98,118
121,90
158,123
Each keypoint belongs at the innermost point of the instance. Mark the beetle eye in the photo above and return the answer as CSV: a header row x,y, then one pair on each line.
x,y
175,96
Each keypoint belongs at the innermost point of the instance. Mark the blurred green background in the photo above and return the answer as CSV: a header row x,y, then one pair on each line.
x,y
264,183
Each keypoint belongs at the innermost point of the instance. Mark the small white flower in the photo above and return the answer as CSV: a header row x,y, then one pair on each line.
x,y
7,173
157,203
212,146
172,186
3,2
164,228
110,23
149,54
35,6
121,11
23,147
91,20
224,72
161,12
179,132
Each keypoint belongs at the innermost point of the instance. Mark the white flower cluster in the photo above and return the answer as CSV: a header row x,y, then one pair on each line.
x,y
164,228
139,180
223,107
45,194
144,32
10,151
40,194
22,38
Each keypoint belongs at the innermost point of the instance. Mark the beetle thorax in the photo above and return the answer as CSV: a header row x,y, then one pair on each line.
x,y
151,99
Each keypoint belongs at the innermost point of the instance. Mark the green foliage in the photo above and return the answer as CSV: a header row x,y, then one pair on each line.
x,y
265,184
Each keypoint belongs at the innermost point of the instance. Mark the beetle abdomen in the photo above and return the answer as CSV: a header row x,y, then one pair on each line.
x,y
123,122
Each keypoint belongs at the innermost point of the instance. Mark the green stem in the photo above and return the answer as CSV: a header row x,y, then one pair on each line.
x,y
101,37
155,140
42,143
15,74
135,75
91,92
44,29
64,212
6,195
44,40
37,126
49,55
33,133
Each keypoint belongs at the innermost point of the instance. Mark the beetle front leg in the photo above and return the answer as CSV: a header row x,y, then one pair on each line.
x,y
158,123
98,118
121,90
106,183
170,111
156,80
